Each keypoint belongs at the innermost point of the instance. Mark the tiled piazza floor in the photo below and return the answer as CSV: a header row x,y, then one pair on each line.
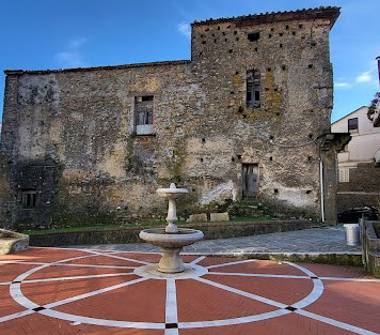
x,y
82,291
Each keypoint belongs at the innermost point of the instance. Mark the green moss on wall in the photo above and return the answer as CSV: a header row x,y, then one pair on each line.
x,y
175,163
130,163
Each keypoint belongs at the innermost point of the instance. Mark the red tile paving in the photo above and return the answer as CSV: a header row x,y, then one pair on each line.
x,y
194,305
268,267
329,270
154,258
350,302
47,292
40,255
7,304
11,271
197,302
216,260
41,325
144,302
285,290
104,260
290,324
65,271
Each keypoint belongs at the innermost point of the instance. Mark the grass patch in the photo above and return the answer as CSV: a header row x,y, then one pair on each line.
x,y
94,227
252,218
138,224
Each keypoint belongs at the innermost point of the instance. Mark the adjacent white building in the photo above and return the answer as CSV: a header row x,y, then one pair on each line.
x,y
364,147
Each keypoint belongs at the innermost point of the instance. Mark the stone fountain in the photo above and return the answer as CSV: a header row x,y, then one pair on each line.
x,y
171,239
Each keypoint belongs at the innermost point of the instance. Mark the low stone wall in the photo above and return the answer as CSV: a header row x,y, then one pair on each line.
x,y
12,242
371,247
130,235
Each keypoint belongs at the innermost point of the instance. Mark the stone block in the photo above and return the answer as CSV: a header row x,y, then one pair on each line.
x,y
12,242
219,217
197,218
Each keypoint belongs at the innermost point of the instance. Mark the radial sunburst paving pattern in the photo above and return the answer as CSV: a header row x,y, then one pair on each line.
x,y
80,291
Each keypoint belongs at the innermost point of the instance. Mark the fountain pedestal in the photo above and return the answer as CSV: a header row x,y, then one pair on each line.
x,y
170,239
171,262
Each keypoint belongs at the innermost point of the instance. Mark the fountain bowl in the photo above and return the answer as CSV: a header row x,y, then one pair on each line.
x,y
171,192
162,239
171,245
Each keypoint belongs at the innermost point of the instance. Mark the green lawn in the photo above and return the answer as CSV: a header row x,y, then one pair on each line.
x,y
139,224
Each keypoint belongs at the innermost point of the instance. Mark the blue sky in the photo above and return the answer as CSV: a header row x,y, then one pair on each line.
x,y
43,34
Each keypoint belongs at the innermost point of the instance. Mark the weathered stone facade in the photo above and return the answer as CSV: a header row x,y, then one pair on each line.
x,y
7,202
70,134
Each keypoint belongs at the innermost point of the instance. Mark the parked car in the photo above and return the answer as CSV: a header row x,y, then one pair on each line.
x,y
354,214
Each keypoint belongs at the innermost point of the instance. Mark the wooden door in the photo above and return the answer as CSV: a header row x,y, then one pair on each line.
x,y
249,178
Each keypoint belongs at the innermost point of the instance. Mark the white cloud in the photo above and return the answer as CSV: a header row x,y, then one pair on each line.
x,y
365,77
70,58
342,85
184,29
76,43
72,55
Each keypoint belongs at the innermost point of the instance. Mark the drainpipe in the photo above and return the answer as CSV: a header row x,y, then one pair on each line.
x,y
322,191
378,67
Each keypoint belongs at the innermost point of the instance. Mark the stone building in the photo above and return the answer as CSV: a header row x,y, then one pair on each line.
x,y
247,117
359,162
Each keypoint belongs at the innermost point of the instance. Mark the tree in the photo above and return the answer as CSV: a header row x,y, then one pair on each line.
x,y
374,110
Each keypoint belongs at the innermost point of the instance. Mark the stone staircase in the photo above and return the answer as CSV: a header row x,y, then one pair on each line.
x,y
248,207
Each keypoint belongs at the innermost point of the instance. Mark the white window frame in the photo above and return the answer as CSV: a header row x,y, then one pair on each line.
x,y
144,118
344,175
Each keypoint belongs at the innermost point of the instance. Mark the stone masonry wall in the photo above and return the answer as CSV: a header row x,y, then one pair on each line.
x,y
6,192
71,132
293,60
363,189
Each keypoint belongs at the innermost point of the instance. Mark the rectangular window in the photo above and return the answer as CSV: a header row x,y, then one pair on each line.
x,y
353,124
344,175
28,199
144,115
253,88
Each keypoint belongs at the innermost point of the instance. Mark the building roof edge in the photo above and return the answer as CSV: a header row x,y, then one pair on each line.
x,y
95,68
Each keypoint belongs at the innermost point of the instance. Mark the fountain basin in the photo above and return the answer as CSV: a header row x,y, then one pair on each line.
x,y
171,245
160,238
171,191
